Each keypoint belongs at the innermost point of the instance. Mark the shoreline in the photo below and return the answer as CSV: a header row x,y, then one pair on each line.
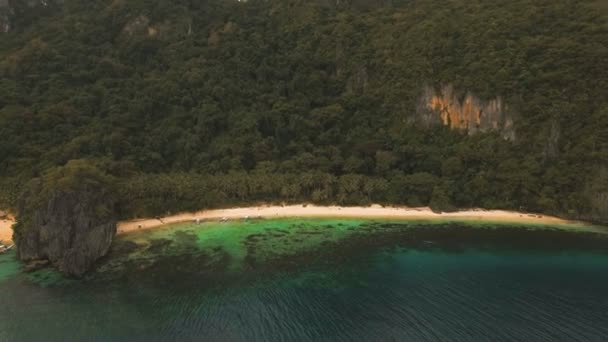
x,y
313,211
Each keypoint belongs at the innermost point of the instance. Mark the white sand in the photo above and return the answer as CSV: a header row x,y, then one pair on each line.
x,y
374,211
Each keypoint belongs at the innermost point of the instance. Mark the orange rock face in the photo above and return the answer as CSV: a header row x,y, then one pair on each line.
x,y
466,112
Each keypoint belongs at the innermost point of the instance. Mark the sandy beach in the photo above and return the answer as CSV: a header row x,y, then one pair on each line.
x,y
372,212
6,232
311,211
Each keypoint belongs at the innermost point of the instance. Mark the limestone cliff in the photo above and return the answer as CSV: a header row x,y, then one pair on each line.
x,y
464,111
67,217
66,231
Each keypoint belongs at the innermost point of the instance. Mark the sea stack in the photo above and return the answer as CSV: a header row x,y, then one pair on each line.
x,y
66,217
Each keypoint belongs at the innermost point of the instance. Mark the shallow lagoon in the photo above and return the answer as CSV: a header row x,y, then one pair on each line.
x,y
294,279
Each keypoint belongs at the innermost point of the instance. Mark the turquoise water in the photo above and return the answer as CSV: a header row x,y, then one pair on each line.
x,y
310,280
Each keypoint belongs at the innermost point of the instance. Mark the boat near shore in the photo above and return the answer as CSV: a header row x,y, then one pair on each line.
x,y
4,249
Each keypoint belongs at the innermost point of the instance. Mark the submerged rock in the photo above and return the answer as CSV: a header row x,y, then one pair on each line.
x,y
71,222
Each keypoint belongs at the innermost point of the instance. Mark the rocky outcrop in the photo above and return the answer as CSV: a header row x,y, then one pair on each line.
x,y
67,217
552,145
67,231
6,13
10,9
358,82
464,111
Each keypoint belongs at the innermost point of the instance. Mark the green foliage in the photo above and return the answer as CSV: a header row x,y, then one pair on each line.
x,y
191,104
78,178
9,192
440,200
597,194
75,175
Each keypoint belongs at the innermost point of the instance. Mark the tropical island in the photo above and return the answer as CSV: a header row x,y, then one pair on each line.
x,y
111,111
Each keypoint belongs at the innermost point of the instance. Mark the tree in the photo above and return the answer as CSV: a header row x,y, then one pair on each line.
x,y
440,201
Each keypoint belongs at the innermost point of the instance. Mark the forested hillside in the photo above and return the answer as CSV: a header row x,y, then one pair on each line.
x,y
187,104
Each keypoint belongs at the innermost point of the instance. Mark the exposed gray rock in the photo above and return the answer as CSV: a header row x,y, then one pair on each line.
x,y
552,145
68,230
6,13
9,9
358,82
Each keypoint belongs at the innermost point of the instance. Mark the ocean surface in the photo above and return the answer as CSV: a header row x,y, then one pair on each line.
x,y
322,280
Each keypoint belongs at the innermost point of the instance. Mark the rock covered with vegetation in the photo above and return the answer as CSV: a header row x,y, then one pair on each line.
x,y
67,217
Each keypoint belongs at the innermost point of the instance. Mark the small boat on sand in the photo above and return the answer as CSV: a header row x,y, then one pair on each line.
x,y
4,249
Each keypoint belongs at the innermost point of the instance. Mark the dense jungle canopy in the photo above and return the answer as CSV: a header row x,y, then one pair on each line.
x,y
188,104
